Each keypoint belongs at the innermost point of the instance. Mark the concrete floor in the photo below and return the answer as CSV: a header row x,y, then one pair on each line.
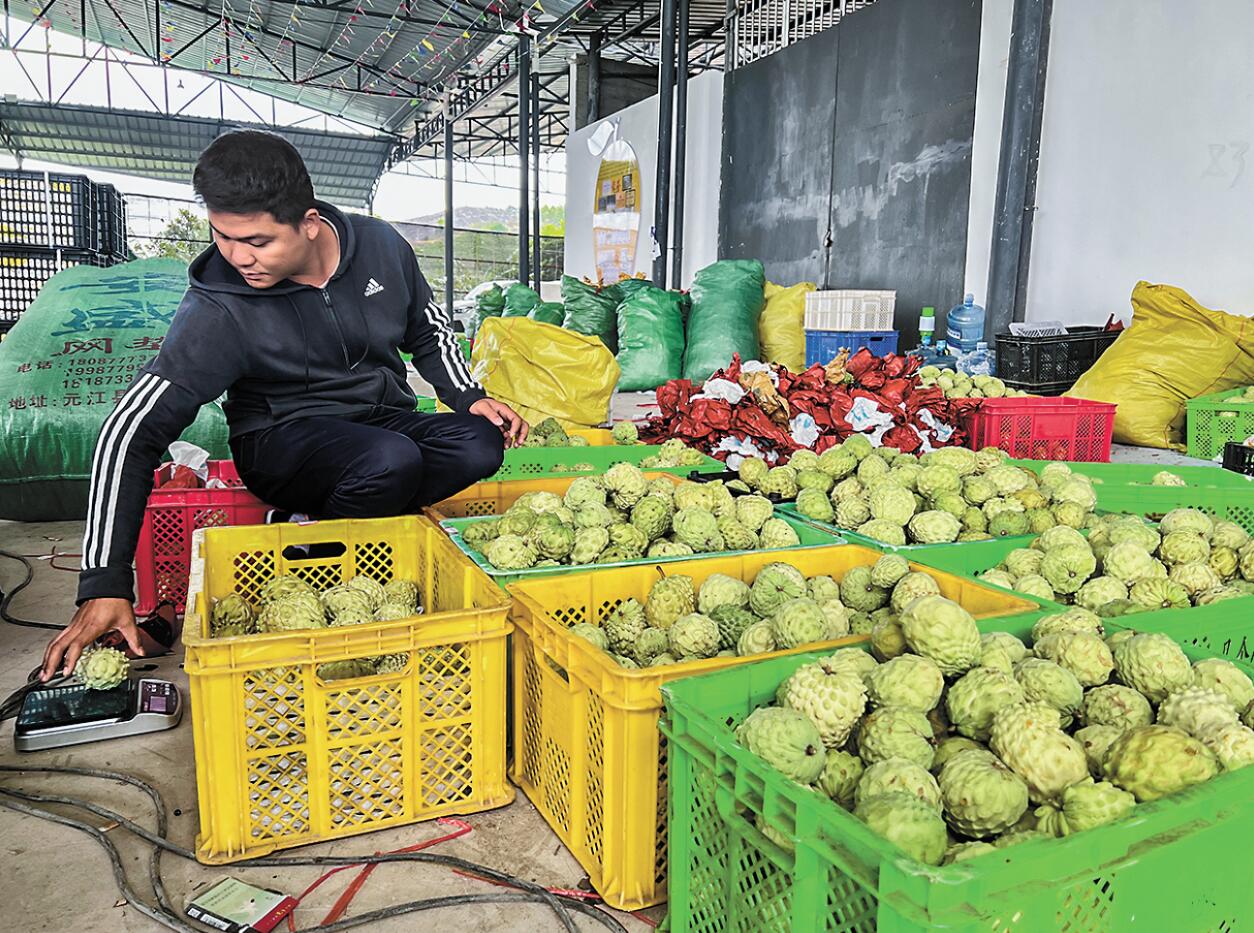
x,y
56,879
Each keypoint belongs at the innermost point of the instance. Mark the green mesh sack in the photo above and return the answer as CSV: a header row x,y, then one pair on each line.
x,y
548,312
63,366
519,300
650,339
591,310
727,299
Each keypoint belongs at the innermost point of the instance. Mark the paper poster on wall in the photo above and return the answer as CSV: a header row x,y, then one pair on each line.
x,y
616,212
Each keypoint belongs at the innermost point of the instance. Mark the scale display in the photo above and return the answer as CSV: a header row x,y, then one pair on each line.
x,y
72,714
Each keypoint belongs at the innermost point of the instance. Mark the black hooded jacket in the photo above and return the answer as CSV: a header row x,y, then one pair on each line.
x,y
282,353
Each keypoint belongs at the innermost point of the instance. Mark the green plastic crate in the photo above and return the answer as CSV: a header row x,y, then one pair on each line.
x,y
536,462
810,536
1224,628
1176,864
1213,420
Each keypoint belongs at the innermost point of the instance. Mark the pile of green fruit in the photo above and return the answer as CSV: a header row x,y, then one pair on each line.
x,y
950,494
623,515
728,617
961,385
1126,565
550,433
952,744
1244,398
289,603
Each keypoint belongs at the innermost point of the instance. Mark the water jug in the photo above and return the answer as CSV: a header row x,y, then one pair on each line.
x,y
965,325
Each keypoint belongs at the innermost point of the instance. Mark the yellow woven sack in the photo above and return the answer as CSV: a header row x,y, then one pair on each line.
x,y
541,371
1174,351
781,327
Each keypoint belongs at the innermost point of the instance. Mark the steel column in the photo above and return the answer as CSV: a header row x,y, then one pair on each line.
x,y
594,77
1016,167
535,177
448,210
665,118
681,146
524,148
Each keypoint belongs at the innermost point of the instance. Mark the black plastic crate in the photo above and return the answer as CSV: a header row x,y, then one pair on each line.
x,y
1238,458
1041,361
24,270
111,221
47,210
1044,388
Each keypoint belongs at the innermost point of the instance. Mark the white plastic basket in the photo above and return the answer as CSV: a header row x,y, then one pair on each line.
x,y
850,309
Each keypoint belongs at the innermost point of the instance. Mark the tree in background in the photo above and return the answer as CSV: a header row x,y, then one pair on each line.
x,y
183,238
553,220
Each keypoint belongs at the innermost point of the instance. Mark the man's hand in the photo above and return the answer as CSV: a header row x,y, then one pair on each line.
x,y
504,417
94,618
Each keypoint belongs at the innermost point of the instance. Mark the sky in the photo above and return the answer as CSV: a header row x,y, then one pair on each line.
x,y
414,189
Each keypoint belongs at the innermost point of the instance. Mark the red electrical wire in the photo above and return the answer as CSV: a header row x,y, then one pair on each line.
x,y
344,900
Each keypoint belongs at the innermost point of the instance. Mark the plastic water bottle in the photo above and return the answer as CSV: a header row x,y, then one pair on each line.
x,y
927,325
977,362
965,325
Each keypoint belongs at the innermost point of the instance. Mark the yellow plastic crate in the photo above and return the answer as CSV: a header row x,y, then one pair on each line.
x,y
587,751
284,758
495,497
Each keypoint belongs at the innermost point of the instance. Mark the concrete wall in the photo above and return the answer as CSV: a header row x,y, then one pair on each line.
x,y
637,125
1147,155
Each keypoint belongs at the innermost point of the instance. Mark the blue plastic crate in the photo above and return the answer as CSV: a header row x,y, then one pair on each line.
x,y
823,345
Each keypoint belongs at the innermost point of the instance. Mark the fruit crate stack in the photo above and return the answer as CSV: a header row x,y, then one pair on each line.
x,y
1050,365
51,222
849,319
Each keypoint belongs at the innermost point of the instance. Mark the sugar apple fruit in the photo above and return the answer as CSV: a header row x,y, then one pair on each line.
x,y
721,590
833,698
101,668
623,626
779,481
283,586
300,610
1193,520
1117,706
1154,761
1232,744
892,503
1015,649
814,504
1085,655
669,598
1153,664
908,822
593,634
626,484
777,534
934,527
775,584
1227,678
757,638
882,531
840,776
853,659
389,612
649,644
896,732
898,775
401,592
942,630
231,611
478,534
753,511
982,797
962,851
1044,681
950,746
1028,739
1086,806
510,552
1076,620
798,622
664,548
694,636
889,570
731,621
786,740
822,588
909,681
583,492
912,586
887,640
589,544
1196,710
859,592
851,512
1068,568
1099,591
976,697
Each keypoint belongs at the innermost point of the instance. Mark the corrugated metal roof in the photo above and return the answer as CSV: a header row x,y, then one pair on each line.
x,y
344,167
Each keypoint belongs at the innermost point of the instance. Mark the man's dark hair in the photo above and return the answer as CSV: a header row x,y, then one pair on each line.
x,y
247,172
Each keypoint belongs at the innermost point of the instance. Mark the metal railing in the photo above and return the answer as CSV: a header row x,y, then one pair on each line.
x,y
482,256
759,28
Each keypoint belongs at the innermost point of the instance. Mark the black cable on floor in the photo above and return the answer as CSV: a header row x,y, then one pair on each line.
x,y
6,597
167,916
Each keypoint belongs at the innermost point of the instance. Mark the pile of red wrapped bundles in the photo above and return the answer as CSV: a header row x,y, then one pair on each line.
x,y
757,409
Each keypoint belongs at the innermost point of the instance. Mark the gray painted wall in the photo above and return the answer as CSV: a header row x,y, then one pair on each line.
x,y
847,157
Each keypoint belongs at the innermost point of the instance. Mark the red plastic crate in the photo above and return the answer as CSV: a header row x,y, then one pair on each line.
x,y
1043,428
163,555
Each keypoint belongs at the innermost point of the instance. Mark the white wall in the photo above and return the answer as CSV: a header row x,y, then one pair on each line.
x,y
637,125
1147,155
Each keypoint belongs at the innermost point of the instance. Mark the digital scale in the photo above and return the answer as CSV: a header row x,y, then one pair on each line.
x,y
72,714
